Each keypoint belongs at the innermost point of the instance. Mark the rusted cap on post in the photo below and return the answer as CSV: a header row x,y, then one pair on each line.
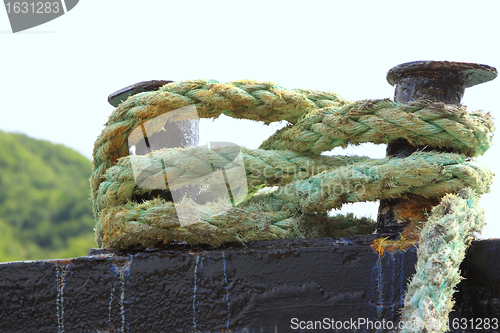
x,y
470,73
121,95
443,81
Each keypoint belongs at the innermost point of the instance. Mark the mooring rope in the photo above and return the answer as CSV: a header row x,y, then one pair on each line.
x,y
442,245
420,123
302,185
261,216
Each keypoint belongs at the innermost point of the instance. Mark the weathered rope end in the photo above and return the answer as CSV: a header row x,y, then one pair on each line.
x,y
443,243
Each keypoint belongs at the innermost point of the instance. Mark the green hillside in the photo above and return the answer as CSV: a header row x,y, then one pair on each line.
x,y
45,210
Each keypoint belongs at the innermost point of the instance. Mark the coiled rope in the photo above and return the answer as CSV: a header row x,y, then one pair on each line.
x,y
305,182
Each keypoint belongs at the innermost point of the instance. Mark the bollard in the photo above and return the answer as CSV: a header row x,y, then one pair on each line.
x,y
178,134
437,81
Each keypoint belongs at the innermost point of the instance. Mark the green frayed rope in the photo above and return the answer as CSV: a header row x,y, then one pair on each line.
x,y
267,102
276,214
260,101
443,242
307,181
263,167
420,123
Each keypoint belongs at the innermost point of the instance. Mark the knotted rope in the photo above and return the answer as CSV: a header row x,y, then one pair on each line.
x,y
304,184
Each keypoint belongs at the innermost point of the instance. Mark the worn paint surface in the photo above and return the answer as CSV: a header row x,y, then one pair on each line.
x,y
257,288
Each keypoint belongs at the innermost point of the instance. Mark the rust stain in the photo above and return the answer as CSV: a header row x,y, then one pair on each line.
x,y
63,262
408,238
411,211
413,208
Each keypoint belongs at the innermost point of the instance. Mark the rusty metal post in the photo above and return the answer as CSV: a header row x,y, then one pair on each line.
x,y
438,81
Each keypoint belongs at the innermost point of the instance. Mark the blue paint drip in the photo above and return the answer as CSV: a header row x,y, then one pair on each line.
x,y
380,289
393,281
402,280
342,241
373,288
227,289
110,302
61,271
132,300
122,271
194,290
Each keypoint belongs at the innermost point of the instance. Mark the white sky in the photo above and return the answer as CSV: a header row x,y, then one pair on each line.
x,y
56,77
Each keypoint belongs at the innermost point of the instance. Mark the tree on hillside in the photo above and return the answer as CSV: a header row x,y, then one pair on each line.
x,y
44,200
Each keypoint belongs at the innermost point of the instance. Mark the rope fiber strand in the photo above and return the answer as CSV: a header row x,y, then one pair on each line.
x,y
289,186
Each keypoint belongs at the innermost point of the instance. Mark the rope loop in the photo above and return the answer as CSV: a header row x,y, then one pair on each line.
x,y
302,185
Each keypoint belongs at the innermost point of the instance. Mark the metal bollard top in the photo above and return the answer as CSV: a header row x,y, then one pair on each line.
x,y
443,81
470,73
121,95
